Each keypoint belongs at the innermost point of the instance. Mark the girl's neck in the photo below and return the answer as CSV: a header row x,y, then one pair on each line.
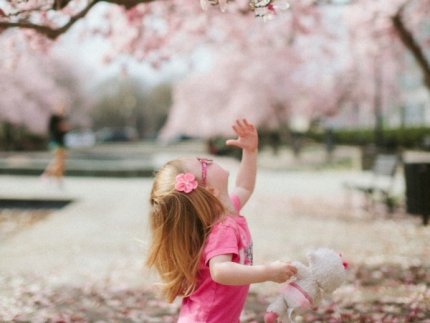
x,y
228,205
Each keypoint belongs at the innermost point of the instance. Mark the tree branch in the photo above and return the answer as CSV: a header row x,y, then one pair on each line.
x,y
412,45
24,12
52,32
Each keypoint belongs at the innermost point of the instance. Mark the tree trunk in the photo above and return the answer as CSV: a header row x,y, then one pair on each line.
x,y
412,45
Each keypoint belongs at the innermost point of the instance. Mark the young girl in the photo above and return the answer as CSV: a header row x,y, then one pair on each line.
x,y
201,245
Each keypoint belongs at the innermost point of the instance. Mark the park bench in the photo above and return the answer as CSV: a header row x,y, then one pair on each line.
x,y
379,187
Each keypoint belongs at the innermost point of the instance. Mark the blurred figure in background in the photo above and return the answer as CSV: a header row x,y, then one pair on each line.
x,y
57,128
329,141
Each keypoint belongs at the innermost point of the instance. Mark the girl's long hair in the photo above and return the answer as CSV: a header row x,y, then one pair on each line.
x,y
180,223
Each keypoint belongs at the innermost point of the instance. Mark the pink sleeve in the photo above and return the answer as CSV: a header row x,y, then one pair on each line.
x,y
222,240
236,202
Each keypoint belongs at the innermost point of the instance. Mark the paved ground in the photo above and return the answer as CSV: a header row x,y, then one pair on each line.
x,y
103,234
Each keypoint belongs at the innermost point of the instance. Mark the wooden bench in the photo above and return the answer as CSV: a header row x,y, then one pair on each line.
x,y
379,187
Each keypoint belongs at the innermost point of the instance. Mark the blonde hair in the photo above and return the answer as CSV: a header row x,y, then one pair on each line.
x,y
180,223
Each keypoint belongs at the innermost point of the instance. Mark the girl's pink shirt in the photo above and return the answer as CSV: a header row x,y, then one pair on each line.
x,y
211,301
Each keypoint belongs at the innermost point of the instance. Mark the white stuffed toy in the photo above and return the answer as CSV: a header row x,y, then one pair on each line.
x,y
325,273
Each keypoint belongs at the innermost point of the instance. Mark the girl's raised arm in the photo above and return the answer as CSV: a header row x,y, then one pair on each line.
x,y
248,141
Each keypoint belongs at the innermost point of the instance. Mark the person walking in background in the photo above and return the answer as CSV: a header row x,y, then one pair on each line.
x,y
329,141
57,128
201,245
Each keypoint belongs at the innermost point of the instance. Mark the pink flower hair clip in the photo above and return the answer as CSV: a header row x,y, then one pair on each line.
x,y
186,182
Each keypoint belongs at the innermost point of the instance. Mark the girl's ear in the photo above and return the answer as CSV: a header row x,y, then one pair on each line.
x,y
212,190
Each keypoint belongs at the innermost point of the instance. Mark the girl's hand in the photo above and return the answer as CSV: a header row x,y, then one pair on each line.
x,y
280,271
247,136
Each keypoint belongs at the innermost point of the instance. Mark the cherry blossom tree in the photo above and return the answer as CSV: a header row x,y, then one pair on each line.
x,y
33,85
315,74
381,37
148,29
140,31
277,74
294,62
280,84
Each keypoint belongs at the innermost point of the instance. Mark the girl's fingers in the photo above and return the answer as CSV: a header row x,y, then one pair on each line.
x,y
238,130
243,124
247,126
232,142
243,127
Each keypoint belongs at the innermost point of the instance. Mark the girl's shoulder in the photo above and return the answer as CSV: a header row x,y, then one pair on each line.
x,y
230,220
226,224
227,219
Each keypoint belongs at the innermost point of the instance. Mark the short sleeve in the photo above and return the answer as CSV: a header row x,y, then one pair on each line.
x,y
236,202
223,240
